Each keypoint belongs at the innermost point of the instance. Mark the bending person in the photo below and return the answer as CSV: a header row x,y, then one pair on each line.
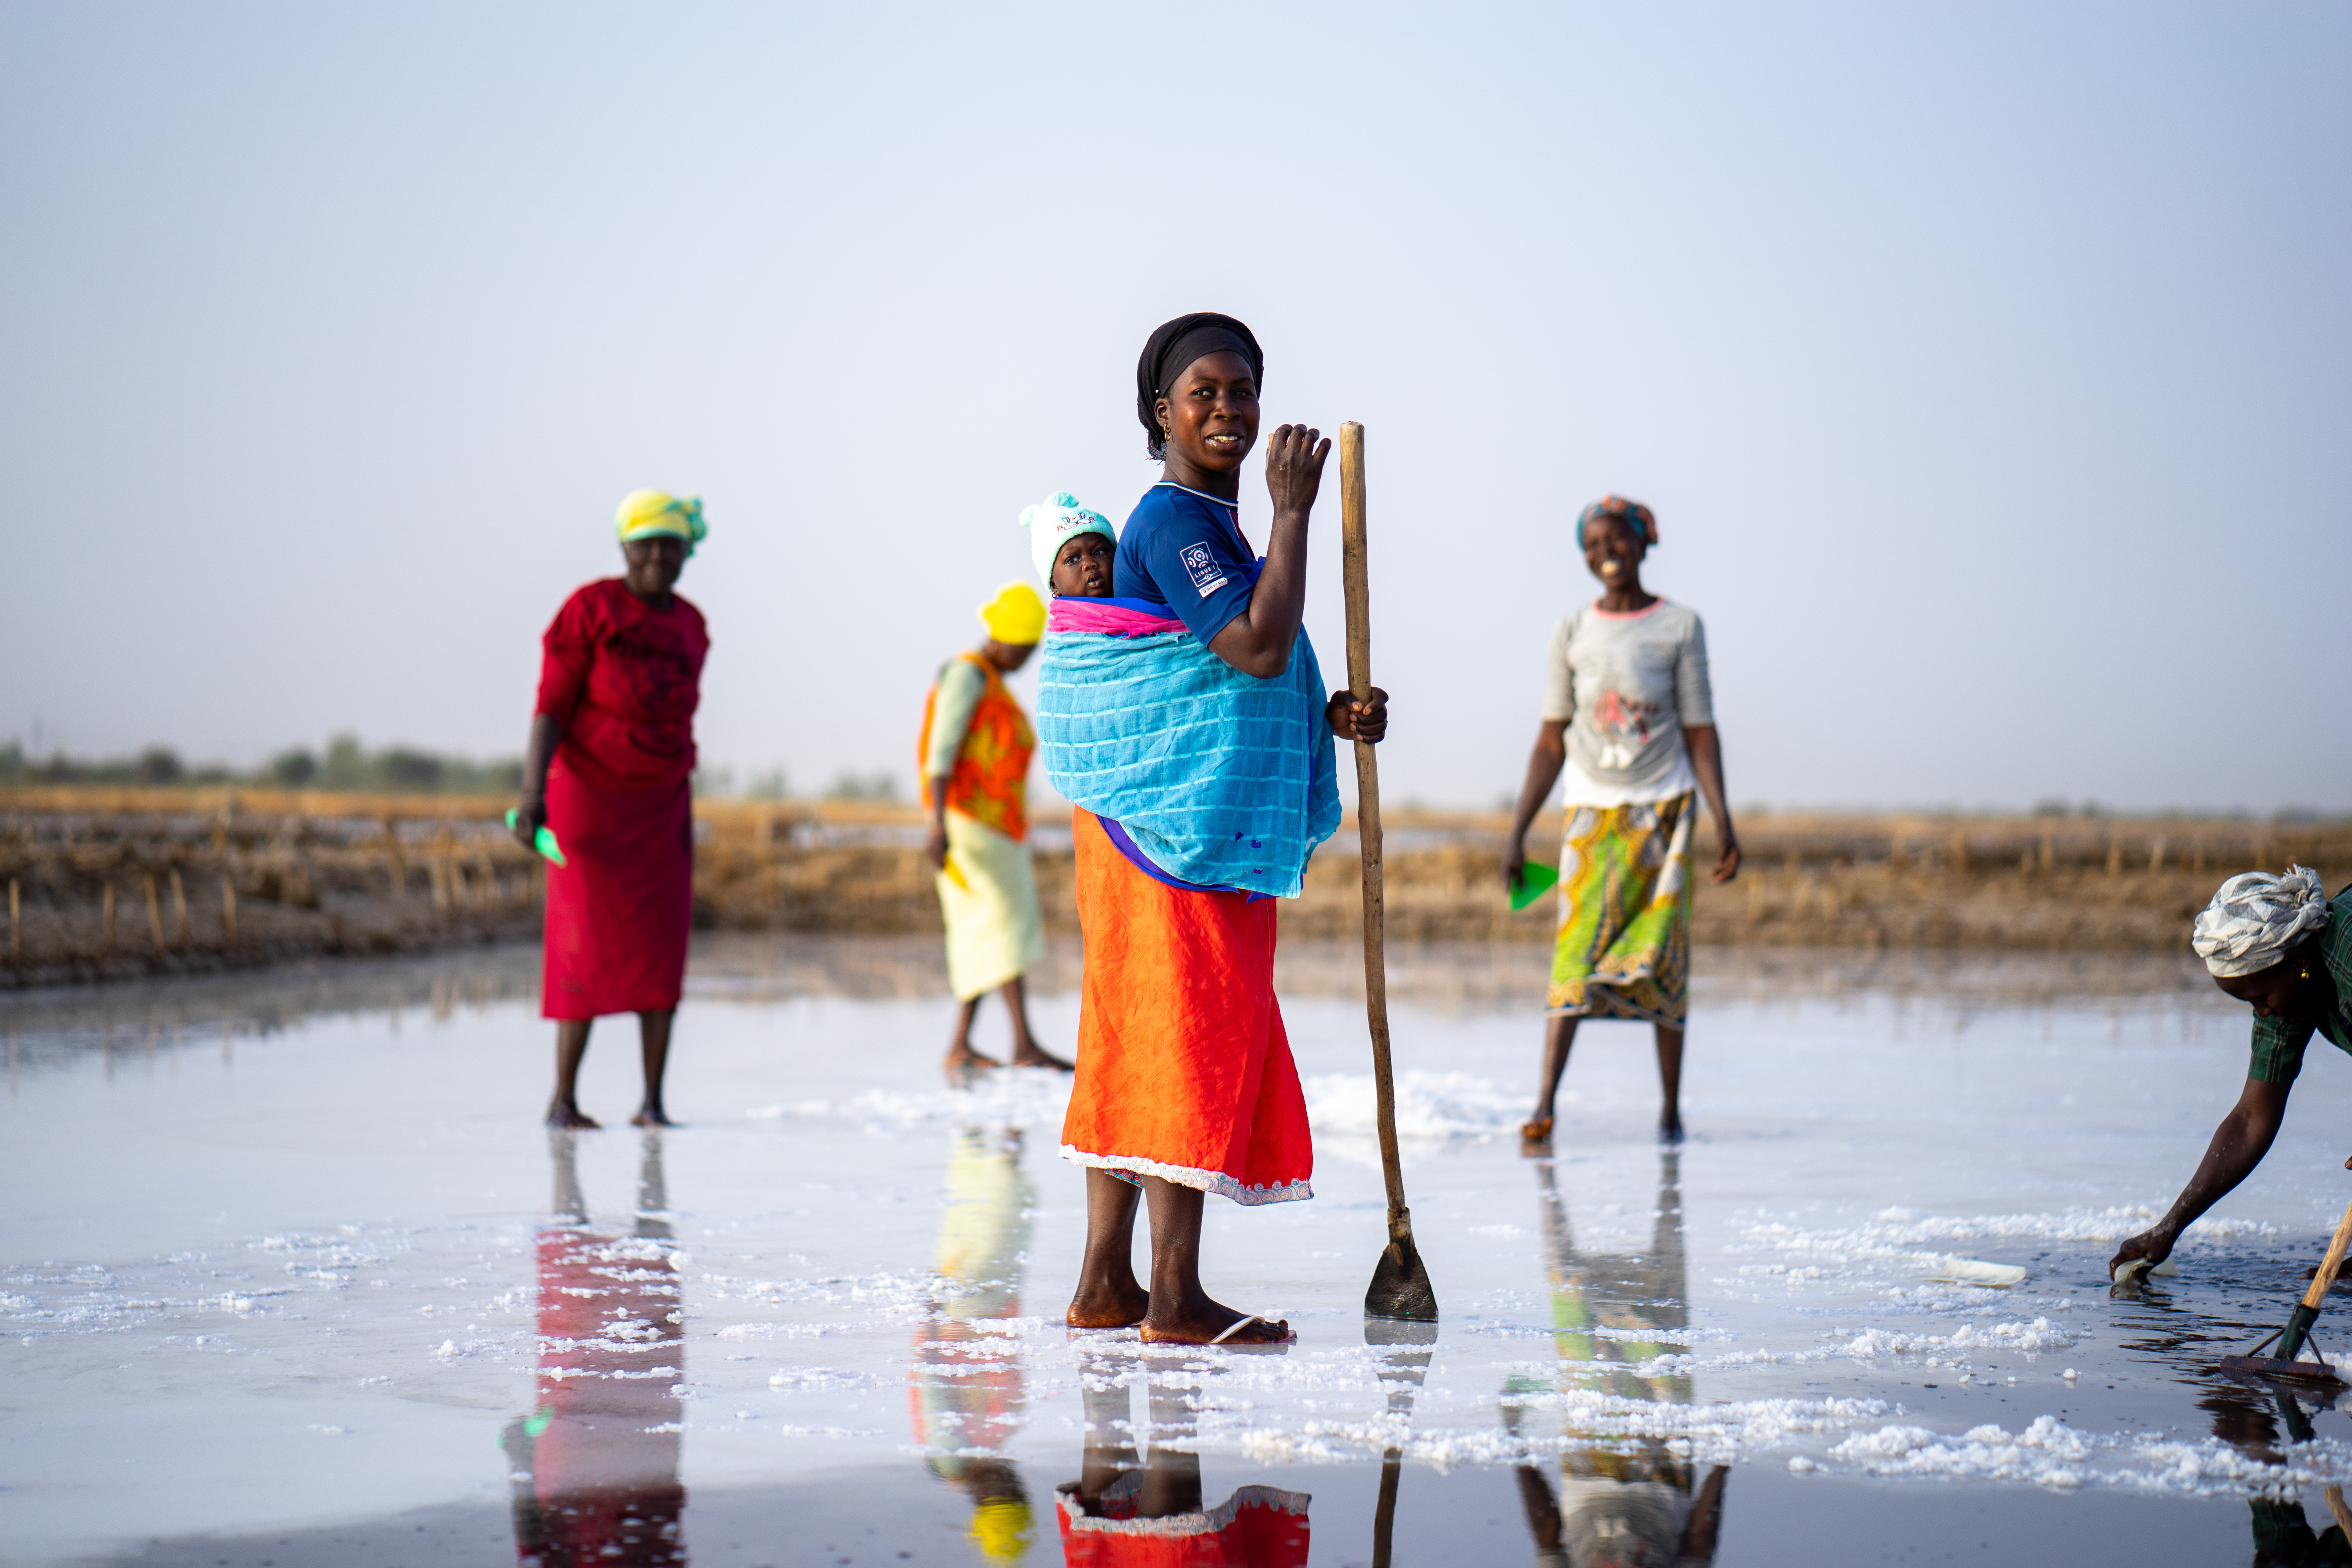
x,y
2279,945
1186,717
975,750
1628,716
612,750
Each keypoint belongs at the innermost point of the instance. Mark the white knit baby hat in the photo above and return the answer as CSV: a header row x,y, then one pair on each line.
x,y
1052,521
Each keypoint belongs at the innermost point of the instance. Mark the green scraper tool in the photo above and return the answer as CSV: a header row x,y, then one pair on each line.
x,y
543,840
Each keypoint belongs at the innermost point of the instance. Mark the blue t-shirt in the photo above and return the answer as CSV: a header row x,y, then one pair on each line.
x,y
1184,550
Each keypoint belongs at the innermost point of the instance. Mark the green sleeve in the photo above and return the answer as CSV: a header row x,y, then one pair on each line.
x,y
2278,1049
961,686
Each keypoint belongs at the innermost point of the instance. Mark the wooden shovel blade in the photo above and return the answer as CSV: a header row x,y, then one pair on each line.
x,y
1401,1285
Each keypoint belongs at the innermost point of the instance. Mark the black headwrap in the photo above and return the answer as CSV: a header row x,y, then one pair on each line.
x,y
1172,348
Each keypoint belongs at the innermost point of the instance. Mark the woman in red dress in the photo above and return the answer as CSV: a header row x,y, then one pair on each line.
x,y
612,749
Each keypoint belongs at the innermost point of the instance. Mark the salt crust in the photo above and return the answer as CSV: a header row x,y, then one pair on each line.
x,y
2051,1454
1872,1344
1433,1107
1901,1231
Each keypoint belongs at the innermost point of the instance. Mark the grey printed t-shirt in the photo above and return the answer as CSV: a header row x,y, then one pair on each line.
x,y
1627,684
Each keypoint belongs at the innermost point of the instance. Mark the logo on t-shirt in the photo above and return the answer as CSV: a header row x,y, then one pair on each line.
x,y
1206,574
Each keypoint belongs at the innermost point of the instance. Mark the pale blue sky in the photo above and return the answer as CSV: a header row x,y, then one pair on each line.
x,y
1985,364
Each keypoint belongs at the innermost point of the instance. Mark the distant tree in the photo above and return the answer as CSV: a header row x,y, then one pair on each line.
x,y
346,764
876,786
297,769
405,770
158,766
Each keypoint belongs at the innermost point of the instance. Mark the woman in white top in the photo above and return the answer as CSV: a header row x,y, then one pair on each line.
x,y
1628,718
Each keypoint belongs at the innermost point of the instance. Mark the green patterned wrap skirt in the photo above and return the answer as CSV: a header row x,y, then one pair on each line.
x,y
1623,947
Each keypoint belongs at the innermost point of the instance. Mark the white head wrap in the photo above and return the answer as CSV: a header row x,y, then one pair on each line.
x,y
2256,917
1052,521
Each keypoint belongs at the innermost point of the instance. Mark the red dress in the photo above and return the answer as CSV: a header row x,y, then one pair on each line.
x,y
623,678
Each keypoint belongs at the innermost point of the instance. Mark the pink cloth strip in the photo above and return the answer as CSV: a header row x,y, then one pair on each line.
x,y
1105,618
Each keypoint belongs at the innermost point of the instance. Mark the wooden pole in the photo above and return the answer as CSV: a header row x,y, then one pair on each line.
x,y
1368,800
16,925
180,912
106,920
2316,1296
1400,1287
154,913
228,910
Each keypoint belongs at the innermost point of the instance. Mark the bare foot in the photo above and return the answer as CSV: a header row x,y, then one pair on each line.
x,y
564,1115
1033,1056
963,1057
1535,1137
651,1116
1119,1308
1213,1318
1670,1128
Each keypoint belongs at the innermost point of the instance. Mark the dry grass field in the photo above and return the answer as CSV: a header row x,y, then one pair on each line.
x,y
116,883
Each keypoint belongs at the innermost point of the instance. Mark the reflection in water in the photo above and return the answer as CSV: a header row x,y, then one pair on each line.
x,y
2283,1535
595,1462
1119,1514
1402,1369
1621,1501
966,1381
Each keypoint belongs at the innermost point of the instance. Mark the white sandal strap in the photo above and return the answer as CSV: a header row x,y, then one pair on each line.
x,y
1234,1328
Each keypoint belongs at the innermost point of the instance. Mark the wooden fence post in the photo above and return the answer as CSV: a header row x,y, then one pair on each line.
x,y
2156,855
154,913
15,926
228,910
106,920
180,912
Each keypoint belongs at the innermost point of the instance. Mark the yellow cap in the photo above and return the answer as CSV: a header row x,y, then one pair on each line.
x,y
1016,617
1000,1527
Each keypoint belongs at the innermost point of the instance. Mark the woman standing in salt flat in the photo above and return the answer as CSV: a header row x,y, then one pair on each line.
x,y
975,749
1629,719
611,753
1185,718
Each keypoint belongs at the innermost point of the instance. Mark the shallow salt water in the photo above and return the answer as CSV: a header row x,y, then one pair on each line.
x,y
288,1274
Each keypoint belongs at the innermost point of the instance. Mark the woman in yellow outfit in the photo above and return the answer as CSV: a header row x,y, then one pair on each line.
x,y
975,750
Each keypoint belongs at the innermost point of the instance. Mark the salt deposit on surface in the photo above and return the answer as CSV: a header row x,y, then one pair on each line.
x,y
2049,1453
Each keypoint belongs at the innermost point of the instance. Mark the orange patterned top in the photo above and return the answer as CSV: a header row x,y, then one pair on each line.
x,y
990,782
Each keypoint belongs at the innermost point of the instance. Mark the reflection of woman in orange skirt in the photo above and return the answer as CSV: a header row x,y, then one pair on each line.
x,y
1119,1515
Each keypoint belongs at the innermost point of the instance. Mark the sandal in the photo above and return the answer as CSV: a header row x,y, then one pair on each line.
x,y
1536,1129
1230,1330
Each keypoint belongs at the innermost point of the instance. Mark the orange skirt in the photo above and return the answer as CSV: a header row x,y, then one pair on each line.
x,y
1184,1071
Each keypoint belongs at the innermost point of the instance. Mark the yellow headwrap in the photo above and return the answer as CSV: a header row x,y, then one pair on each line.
x,y
1016,617
1000,1527
646,513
